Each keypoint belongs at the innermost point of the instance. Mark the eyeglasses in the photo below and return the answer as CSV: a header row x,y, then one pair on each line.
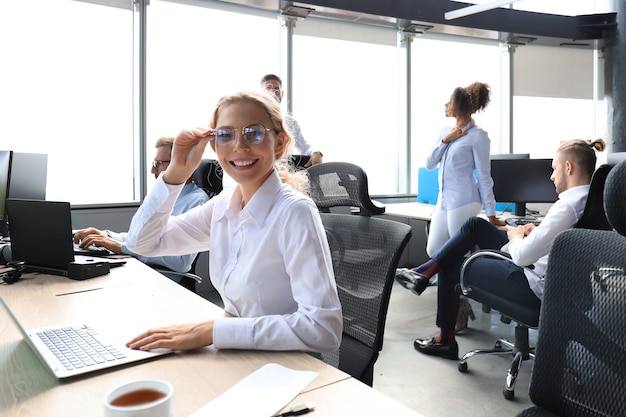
x,y
251,134
157,164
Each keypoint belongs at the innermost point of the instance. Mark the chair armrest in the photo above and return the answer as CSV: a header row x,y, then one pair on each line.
x,y
195,277
492,253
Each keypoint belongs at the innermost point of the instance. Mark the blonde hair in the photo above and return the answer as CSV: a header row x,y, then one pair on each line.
x,y
297,179
582,153
164,141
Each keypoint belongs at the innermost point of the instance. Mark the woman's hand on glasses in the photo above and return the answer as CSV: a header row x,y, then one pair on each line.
x,y
187,153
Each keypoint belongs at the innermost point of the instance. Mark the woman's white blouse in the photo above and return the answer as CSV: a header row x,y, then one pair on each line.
x,y
464,169
269,261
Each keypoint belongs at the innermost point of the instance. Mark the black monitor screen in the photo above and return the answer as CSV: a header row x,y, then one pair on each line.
x,y
29,175
510,156
5,176
522,181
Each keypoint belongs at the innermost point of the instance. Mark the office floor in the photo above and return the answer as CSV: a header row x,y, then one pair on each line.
x,y
434,386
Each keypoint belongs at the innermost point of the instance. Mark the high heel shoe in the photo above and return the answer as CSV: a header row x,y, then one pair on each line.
x,y
465,313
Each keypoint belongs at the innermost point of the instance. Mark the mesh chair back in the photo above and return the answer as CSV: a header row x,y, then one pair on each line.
x,y
580,365
208,176
365,253
335,184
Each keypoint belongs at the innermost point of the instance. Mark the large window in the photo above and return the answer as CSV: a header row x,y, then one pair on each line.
x,y
438,66
198,54
66,84
70,78
345,96
553,98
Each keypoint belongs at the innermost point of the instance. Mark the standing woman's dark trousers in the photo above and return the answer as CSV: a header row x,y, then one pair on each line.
x,y
499,276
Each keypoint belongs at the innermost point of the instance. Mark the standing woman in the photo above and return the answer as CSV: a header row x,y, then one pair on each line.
x,y
461,151
465,184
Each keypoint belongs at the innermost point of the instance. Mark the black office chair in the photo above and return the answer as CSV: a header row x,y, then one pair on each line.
x,y
207,176
594,216
299,161
336,184
580,366
526,317
365,253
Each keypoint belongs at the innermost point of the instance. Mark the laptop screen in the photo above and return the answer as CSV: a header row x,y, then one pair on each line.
x,y
41,232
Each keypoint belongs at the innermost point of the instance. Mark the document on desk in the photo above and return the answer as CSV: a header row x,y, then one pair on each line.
x,y
261,394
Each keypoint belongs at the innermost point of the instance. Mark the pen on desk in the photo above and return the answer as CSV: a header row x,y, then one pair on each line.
x,y
298,410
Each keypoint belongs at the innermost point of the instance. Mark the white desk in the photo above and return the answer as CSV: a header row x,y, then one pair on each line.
x,y
136,298
418,216
412,210
350,397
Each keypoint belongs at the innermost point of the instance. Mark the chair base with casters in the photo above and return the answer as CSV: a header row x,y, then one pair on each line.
x,y
524,316
520,349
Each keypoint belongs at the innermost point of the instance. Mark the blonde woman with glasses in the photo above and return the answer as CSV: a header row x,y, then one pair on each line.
x,y
269,257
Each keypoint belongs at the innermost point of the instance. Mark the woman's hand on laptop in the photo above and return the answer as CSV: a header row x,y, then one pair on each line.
x,y
178,337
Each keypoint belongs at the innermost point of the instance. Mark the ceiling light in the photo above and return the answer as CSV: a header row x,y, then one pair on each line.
x,y
477,8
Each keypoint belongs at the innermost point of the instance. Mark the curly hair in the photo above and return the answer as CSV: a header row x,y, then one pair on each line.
x,y
475,97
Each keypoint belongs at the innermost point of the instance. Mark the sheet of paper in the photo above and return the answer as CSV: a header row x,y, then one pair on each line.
x,y
261,394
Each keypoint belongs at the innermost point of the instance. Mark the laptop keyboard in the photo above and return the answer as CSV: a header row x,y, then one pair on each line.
x,y
79,347
527,221
521,222
91,250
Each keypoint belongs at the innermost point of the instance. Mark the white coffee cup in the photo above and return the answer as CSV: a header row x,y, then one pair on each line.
x,y
150,398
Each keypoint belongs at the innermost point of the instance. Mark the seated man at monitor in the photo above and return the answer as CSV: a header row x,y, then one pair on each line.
x,y
573,166
190,197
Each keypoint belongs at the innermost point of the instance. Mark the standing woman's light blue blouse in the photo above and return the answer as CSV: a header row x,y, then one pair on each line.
x,y
457,162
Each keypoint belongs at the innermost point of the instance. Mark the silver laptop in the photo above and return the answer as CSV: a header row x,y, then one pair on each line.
x,y
41,236
71,349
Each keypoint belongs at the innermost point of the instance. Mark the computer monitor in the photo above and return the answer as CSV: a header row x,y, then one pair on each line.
x,y
29,176
5,180
510,156
522,181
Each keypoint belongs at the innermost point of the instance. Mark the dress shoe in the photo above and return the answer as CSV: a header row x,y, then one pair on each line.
x,y
412,280
430,347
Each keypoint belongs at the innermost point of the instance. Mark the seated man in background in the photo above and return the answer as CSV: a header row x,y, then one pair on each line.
x,y
274,85
190,197
573,166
